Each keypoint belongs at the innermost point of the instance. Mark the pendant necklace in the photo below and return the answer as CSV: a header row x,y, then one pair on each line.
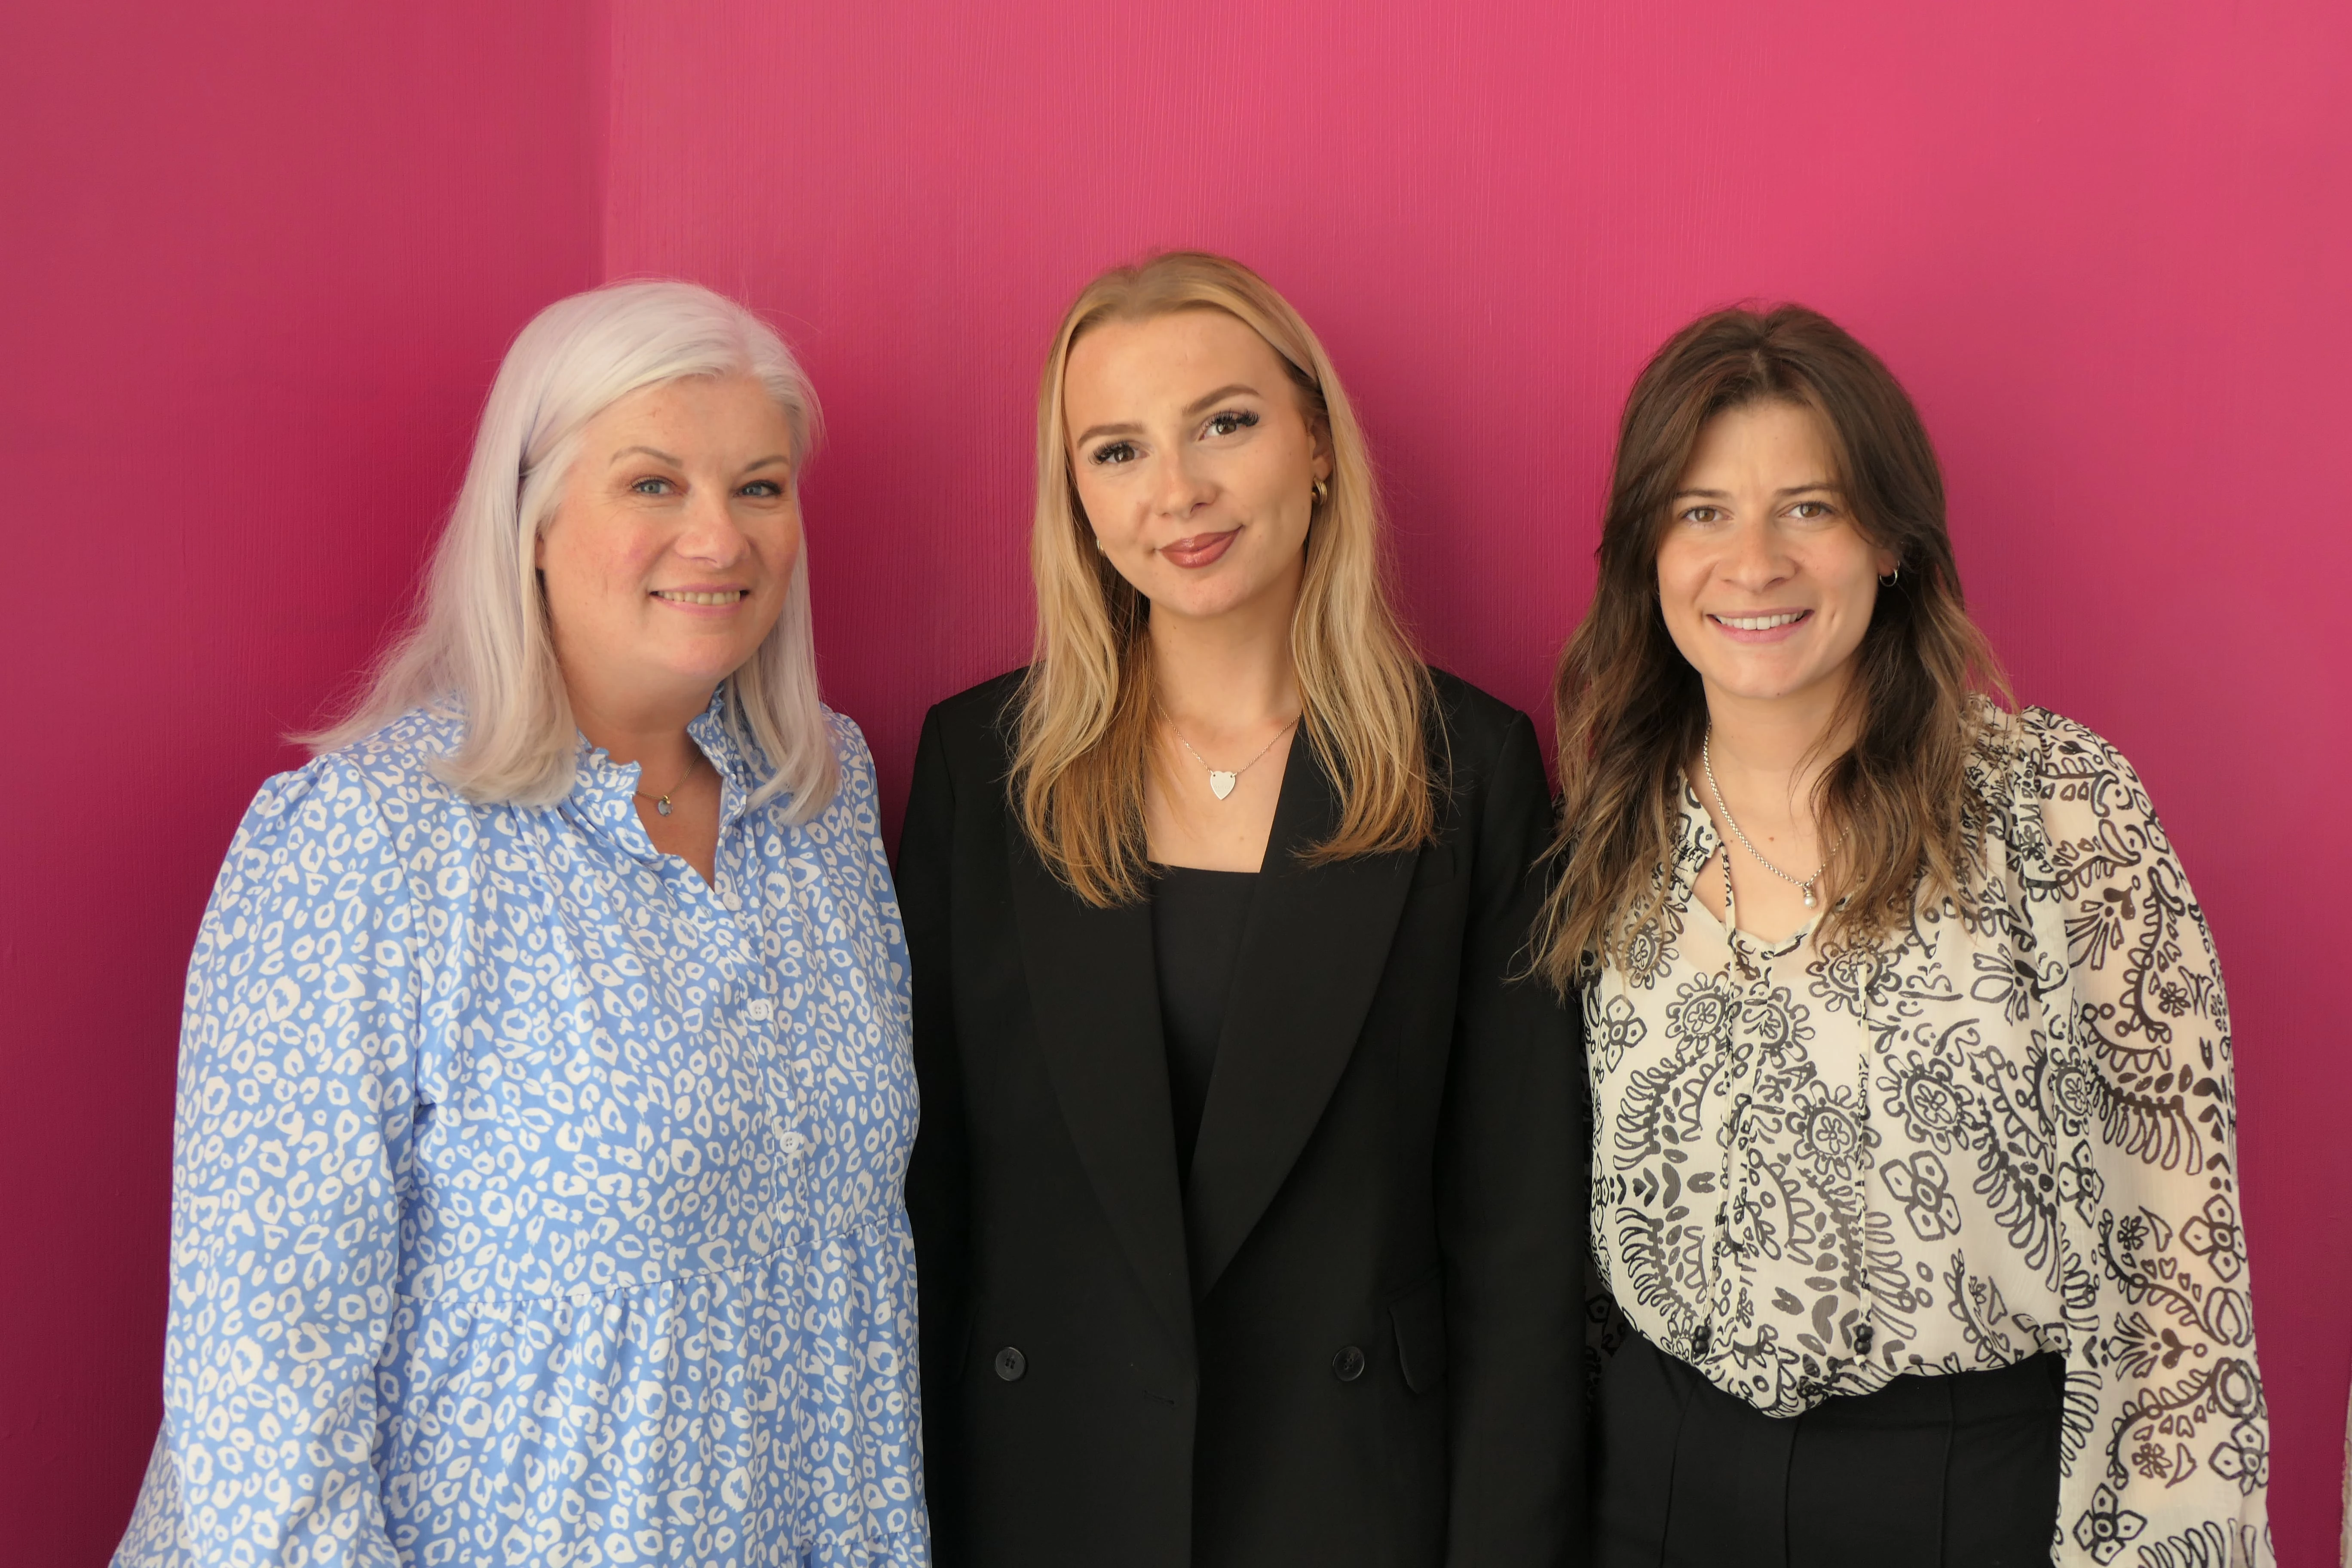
x,y
1804,884
661,801
1222,780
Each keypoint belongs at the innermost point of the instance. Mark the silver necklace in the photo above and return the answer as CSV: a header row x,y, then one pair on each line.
x,y
1804,884
661,801
1222,780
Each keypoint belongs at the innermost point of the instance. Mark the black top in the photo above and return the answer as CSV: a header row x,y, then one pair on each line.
x,y
1354,1334
1196,935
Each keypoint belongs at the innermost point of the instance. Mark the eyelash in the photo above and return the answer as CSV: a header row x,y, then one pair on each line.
x,y
767,490
1117,452
1825,509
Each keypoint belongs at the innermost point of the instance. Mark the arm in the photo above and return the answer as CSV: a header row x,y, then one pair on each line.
x,y
938,1176
2176,1458
1511,1206
293,1123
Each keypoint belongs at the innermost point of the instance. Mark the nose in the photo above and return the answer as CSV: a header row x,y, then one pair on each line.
x,y
1181,489
1756,561
710,534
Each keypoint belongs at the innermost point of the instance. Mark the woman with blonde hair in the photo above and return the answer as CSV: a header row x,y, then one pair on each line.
x,y
1914,1175
1249,1173
545,1089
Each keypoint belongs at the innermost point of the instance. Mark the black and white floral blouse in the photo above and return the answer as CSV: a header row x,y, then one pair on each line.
x,y
1982,1140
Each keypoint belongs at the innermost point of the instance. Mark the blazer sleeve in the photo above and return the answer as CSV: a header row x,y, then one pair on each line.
x,y
938,1173
1511,1198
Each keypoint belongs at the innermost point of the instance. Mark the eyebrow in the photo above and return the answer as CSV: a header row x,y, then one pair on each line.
x,y
1198,406
1782,494
658,456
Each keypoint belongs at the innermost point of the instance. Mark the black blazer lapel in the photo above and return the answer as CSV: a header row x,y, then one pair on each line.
x,y
1312,955
1096,993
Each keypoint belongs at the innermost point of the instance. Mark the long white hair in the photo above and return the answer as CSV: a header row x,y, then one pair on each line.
x,y
477,644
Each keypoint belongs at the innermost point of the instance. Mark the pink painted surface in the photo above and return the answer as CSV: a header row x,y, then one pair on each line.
x,y
260,261
2104,244
262,258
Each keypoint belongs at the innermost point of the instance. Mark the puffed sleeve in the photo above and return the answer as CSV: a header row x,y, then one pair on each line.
x,y
2166,1455
292,1130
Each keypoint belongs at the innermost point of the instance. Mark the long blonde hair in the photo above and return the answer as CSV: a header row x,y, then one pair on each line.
x,y
1087,705
1898,802
479,639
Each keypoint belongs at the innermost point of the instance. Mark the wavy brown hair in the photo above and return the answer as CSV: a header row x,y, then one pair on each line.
x,y
1088,707
1632,711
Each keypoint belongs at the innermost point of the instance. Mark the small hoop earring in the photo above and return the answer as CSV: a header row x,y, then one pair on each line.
x,y
1889,580
1322,493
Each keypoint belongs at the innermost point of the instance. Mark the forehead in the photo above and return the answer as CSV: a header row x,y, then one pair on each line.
x,y
1172,357
694,411
1773,440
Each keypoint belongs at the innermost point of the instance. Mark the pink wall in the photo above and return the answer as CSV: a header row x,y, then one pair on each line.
x,y
2104,243
260,261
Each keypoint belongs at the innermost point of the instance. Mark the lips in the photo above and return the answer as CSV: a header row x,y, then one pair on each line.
x,y
710,598
1199,549
1763,625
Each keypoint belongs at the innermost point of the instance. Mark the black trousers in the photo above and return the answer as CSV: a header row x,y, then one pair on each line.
x,y
1952,1471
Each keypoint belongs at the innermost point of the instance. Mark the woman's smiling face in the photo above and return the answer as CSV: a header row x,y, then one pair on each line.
x,y
1195,461
1766,583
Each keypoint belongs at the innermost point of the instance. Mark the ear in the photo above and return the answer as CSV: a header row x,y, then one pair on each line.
x,y
1319,430
1885,559
539,550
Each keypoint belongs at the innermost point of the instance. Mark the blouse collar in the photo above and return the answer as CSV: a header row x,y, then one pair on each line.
x,y
603,792
1696,843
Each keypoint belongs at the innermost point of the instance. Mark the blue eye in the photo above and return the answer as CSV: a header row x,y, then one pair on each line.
x,y
651,487
765,490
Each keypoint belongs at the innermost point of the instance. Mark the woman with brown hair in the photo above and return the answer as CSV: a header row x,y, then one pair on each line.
x,y
1914,1174
1249,1177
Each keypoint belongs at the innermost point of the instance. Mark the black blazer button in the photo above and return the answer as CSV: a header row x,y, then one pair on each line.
x,y
1011,1363
1348,1364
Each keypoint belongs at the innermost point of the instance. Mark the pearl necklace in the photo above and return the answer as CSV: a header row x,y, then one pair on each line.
x,y
1804,885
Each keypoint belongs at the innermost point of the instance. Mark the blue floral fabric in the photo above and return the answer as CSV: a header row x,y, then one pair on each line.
x,y
535,1201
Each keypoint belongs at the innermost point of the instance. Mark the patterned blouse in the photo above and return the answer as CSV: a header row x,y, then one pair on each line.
x,y
534,1200
1984,1141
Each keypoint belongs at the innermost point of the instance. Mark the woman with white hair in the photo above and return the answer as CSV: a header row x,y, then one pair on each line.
x,y
545,1089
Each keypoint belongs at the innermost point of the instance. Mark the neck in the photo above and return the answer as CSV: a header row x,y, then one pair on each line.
x,y
1229,671
650,733
1787,739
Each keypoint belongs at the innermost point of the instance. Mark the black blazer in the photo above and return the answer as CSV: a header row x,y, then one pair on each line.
x,y
1355,1339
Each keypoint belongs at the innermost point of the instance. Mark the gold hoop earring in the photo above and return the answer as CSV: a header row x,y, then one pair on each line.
x,y
1322,493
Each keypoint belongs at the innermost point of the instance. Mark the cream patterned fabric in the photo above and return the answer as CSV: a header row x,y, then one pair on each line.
x,y
1979,1142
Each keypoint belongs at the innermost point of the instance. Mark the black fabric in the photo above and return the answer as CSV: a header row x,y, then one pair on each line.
x,y
1953,1470
1351,1334
1196,935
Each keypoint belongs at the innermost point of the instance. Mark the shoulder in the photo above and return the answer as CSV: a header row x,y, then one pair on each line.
x,y
977,724
1476,729
384,777
2050,756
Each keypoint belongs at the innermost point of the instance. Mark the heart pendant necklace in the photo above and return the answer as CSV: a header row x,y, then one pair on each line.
x,y
1222,780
